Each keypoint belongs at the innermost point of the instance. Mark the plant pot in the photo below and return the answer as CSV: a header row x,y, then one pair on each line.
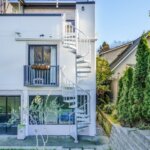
x,y
40,67
21,132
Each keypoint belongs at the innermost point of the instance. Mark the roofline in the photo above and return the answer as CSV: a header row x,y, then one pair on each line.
x,y
124,54
124,58
30,15
45,2
117,47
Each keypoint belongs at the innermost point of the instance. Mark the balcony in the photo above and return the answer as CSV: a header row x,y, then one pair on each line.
x,y
42,77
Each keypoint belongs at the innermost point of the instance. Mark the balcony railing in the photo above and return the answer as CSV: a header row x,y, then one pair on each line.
x,y
41,77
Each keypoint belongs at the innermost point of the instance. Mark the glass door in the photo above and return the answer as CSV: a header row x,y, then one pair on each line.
x,y
9,108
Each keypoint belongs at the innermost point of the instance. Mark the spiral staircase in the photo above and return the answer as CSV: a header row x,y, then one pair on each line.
x,y
77,43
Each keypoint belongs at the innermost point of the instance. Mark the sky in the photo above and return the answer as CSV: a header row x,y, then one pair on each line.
x,y
121,20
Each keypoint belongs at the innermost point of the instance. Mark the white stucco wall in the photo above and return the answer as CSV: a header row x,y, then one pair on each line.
x,y
87,19
14,55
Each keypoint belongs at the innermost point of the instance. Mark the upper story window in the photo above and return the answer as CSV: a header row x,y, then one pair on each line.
x,y
42,54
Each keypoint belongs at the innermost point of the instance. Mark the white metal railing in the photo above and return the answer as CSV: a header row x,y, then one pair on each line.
x,y
41,77
76,38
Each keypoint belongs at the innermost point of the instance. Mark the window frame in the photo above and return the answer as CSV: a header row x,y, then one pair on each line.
x,y
58,121
42,45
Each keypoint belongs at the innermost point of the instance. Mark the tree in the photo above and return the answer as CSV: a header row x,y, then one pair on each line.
x,y
120,91
139,80
124,101
146,103
104,47
103,74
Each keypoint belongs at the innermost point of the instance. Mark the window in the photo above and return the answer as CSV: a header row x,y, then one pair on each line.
x,y
9,109
46,110
42,54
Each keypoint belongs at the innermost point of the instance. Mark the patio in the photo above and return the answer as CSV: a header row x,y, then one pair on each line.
x,y
57,142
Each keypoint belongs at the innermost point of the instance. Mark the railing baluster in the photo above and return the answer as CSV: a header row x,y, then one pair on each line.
x,y
35,77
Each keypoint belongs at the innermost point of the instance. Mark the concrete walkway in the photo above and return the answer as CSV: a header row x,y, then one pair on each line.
x,y
100,142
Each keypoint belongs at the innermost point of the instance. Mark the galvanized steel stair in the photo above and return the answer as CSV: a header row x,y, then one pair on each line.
x,y
70,91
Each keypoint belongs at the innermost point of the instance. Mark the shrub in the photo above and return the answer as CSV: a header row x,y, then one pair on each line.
x,y
114,114
108,109
124,101
103,73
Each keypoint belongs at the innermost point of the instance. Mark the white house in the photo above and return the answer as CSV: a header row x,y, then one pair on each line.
x,y
48,49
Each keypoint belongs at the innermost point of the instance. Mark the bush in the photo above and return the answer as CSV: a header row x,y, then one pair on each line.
x,y
114,114
124,101
108,109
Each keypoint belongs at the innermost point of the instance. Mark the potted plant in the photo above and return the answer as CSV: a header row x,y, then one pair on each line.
x,y
21,131
40,67
15,120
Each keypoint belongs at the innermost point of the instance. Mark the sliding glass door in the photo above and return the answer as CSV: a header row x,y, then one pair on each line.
x,y
9,108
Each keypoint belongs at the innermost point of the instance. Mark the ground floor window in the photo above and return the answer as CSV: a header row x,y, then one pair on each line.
x,y
47,110
9,107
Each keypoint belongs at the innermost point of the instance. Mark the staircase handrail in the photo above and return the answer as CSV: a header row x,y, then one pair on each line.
x,y
73,83
87,38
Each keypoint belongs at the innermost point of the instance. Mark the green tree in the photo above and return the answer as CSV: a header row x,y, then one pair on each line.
x,y
124,101
120,91
139,81
146,103
103,73
104,47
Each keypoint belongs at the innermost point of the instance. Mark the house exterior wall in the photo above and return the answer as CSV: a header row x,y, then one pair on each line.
x,y
119,71
112,55
86,19
14,52
70,13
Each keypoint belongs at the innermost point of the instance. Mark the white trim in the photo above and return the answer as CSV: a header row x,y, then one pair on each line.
x,y
123,59
36,39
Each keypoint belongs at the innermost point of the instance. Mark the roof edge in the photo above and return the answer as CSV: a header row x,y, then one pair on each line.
x,y
117,47
30,15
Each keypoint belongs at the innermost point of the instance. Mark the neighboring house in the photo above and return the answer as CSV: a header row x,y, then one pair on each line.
x,y
120,58
48,49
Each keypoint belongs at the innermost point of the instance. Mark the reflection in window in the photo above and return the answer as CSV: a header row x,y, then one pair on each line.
x,y
49,110
42,55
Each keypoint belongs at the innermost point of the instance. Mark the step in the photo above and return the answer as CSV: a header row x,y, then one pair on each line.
x,y
83,112
84,67
69,101
70,35
82,127
72,51
82,115
82,76
80,111
79,56
83,124
69,43
84,71
82,119
81,62
72,106
70,47
68,88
